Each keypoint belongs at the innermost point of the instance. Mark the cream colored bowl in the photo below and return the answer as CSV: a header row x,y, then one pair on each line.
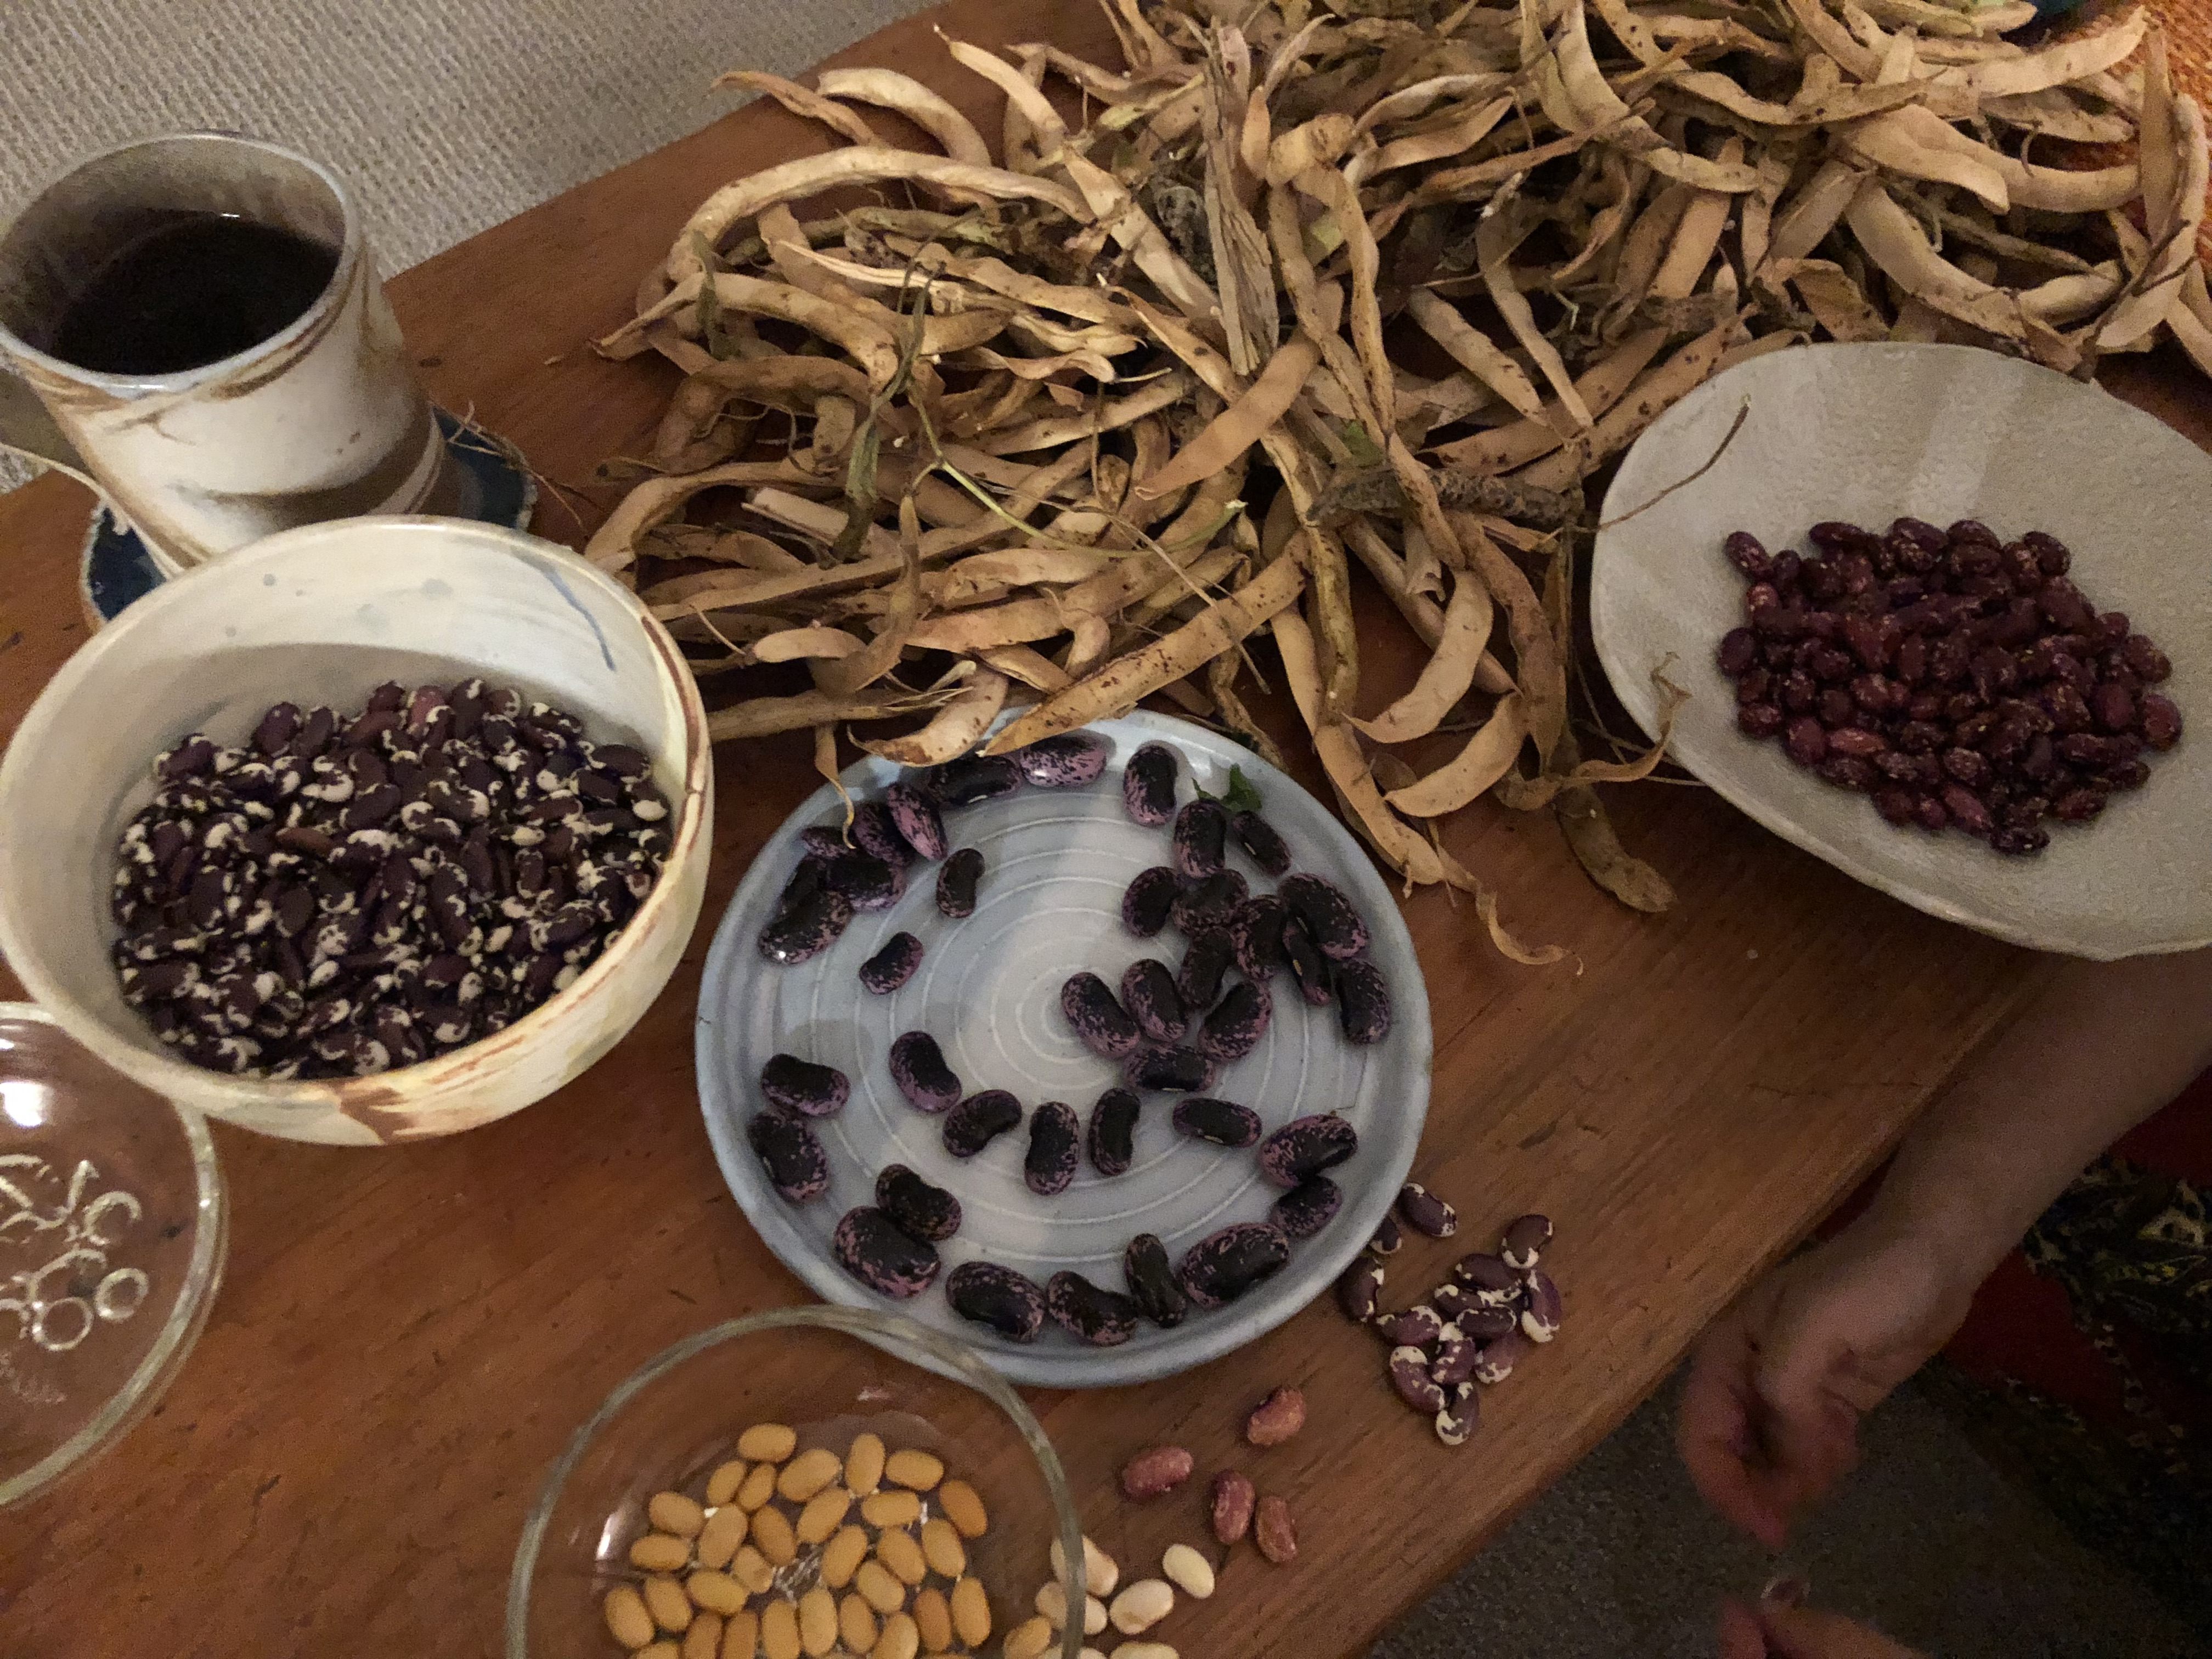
x,y
321,615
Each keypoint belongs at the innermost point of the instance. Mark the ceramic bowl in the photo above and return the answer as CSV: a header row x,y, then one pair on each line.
x,y
322,614
1869,434
830,1375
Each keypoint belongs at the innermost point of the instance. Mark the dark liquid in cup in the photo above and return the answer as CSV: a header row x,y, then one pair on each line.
x,y
194,290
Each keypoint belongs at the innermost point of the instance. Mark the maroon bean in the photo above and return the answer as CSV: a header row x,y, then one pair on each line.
x,y
1825,624
1855,740
1931,814
1823,581
1830,665
1788,570
2020,842
2161,720
1895,805
2068,708
1966,767
1744,551
1919,736
1758,720
1967,808
2111,630
1876,693
2125,774
1759,594
1855,572
1971,730
1950,659
2144,659
1913,660
1967,531
2114,709
1837,708
1846,772
1799,692
1924,705
1756,685
1897,768
1835,536
2078,805
2021,564
1867,641
2062,602
1806,741
1739,646
2041,760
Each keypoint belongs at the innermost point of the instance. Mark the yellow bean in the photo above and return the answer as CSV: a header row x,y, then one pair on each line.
x,y
759,1487
660,1551
964,1509
842,1555
807,1474
856,1622
770,1441
919,1469
902,1638
628,1621
664,1649
971,1611
704,1639
823,1514
932,1617
722,1485
874,1581
892,1509
779,1631
752,1569
942,1548
741,1637
1029,1639
717,1592
773,1537
897,1551
864,1465
672,1512
723,1532
666,1601
818,1622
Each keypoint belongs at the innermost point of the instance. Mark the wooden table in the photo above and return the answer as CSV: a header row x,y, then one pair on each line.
x,y
405,1337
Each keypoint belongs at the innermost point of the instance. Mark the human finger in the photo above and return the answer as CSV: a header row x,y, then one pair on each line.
x,y
1717,1434
1740,1635
1796,1632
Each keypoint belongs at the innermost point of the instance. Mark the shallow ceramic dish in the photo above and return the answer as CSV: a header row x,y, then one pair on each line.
x,y
988,990
1870,433
324,613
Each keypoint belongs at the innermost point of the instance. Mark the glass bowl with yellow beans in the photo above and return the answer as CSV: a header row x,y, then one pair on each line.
x,y
805,1483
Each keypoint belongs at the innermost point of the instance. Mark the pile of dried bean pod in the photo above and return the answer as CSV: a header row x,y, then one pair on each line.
x,y
1303,287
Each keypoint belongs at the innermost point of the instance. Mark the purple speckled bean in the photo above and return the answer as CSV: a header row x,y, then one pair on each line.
x,y
1305,1146
1055,1140
998,1298
1104,1318
892,966
869,1245
1067,761
1148,784
918,1068
1307,1208
1224,1265
914,811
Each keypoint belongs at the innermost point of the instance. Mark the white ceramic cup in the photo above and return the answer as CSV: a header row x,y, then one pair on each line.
x,y
324,419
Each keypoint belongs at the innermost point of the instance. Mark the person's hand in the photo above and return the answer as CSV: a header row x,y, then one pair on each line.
x,y
1770,1416
1775,1630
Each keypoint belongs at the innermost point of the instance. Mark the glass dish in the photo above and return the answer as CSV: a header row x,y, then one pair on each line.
x,y
111,1233
829,1373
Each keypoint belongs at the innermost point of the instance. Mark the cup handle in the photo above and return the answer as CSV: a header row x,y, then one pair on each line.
x,y
27,429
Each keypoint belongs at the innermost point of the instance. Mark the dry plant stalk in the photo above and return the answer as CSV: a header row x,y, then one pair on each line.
x,y
1382,280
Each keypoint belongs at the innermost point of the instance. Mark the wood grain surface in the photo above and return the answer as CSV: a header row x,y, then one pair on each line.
x,y
405,1337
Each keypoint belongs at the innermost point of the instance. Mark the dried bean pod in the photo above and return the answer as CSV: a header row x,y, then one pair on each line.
x,y
1065,760
1223,1122
1111,1137
1260,842
1359,1289
974,778
892,966
1255,934
1540,1320
1388,1236
920,1210
1409,1376
1492,1283
1146,899
1224,1265
1235,1027
1337,928
1417,1326
876,833
1363,1009
1307,1208
1425,1213
1148,993
806,927
1229,1503
1198,981
1456,1418
800,1085
1155,1471
978,1120
1055,1137
1152,1284
869,1245
1306,1146
918,1068
1104,1318
914,810
1098,1018
997,1297
1499,1357
797,1166
1525,1239
1208,903
1200,837
956,880
1168,1070
1148,784
1307,965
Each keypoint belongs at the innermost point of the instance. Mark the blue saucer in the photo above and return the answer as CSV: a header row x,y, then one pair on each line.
x,y
496,488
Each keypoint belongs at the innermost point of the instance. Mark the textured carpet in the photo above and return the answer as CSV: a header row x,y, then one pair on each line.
x,y
450,115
